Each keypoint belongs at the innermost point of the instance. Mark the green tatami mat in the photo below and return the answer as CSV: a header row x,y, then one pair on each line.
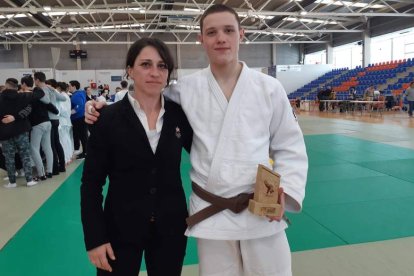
x,y
402,169
51,242
322,193
367,221
339,171
358,191
306,233
355,150
320,158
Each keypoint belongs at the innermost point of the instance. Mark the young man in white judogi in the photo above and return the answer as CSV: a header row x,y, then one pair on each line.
x,y
240,118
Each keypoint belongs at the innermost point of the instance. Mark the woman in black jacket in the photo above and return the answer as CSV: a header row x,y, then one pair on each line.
x,y
137,144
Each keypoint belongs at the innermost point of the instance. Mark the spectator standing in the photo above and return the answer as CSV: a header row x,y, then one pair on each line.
x,y
80,131
41,131
409,94
121,94
14,130
65,124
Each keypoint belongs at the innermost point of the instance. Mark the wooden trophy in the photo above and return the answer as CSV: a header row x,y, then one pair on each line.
x,y
266,192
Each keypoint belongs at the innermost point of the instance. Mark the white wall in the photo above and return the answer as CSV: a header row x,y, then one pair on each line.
x,y
299,75
291,80
19,73
85,77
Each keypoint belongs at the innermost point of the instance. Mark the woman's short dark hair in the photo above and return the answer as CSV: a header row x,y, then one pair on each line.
x,y
161,48
216,9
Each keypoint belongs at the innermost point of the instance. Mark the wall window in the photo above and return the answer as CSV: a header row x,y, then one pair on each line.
x,y
381,50
393,46
349,55
316,58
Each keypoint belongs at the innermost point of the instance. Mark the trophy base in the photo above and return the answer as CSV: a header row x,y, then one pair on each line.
x,y
264,209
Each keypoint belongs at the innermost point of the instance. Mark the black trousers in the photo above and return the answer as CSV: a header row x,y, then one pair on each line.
x,y
164,256
57,149
80,134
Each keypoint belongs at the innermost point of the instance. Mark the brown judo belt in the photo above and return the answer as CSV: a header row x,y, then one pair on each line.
x,y
236,204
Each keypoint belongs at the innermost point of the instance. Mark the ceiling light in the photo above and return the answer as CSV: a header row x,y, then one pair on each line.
x,y
191,9
348,4
84,42
303,13
17,15
47,8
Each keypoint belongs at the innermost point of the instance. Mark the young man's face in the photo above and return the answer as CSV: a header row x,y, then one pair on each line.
x,y
72,88
220,38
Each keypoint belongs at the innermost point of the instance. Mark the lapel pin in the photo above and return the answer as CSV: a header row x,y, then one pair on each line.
x,y
177,132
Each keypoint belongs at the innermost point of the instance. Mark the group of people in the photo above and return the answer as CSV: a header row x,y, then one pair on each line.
x,y
230,119
36,125
103,93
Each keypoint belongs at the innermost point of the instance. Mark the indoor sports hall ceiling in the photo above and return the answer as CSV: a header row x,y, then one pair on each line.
x,y
176,22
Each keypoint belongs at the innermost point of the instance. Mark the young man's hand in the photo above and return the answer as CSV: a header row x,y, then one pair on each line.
x,y
7,119
281,201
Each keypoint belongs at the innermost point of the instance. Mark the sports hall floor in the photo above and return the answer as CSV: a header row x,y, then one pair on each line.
x,y
357,219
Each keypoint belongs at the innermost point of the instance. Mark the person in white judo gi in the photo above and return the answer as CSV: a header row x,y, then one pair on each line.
x,y
240,118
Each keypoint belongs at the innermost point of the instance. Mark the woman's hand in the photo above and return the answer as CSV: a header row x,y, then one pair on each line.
x,y
98,256
91,111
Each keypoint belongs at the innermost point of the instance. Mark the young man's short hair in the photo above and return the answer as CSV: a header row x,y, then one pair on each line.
x,y
62,85
52,82
40,76
27,80
124,84
216,9
12,82
75,83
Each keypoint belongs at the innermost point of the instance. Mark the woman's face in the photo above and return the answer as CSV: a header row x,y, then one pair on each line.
x,y
150,73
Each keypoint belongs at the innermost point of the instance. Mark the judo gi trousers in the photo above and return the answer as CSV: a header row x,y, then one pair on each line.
x,y
268,256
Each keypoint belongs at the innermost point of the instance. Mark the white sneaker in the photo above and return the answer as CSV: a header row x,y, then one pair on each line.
x,y
20,173
31,183
10,185
6,178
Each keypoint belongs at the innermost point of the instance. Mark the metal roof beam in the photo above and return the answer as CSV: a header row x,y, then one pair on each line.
x,y
195,13
126,30
166,42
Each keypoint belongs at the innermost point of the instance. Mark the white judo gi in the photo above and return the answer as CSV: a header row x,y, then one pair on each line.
x,y
65,127
231,138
